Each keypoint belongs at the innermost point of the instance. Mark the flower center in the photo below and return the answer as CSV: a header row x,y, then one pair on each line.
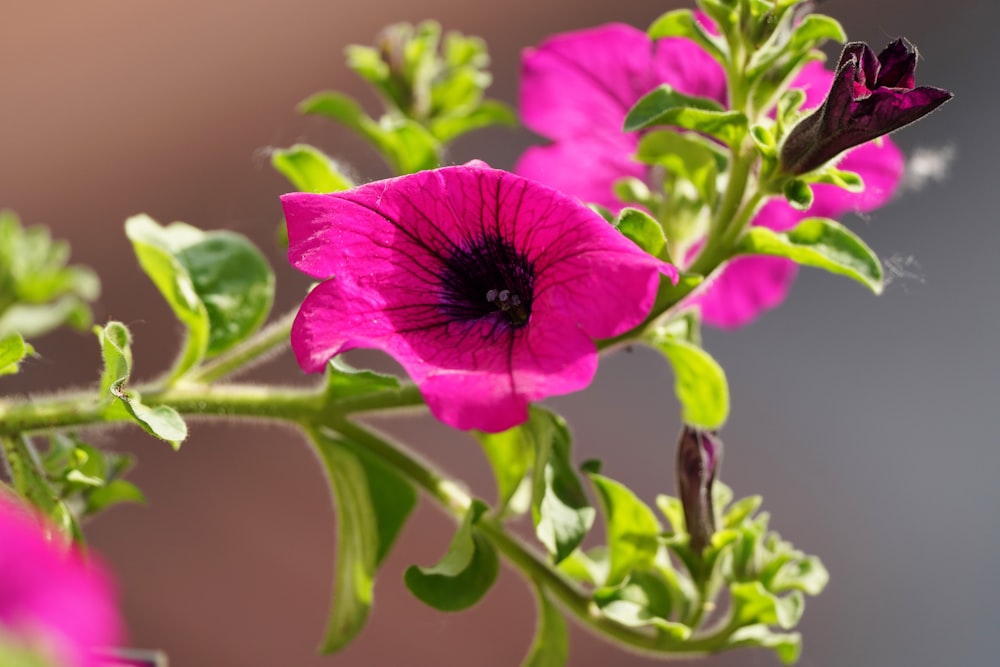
x,y
488,278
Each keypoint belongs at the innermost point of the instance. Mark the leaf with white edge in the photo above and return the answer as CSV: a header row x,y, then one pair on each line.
x,y
13,350
685,156
752,603
559,507
788,646
848,180
644,600
550,647
821,243
632,529
682,23
465,573
589,567
661,100
640,228
699,382
798,194
808,575
309,169
666,106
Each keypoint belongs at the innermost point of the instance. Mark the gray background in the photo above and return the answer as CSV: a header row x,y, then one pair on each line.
x,y
869,424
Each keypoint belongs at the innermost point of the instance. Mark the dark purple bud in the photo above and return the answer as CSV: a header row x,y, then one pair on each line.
x,y
699,455
870,96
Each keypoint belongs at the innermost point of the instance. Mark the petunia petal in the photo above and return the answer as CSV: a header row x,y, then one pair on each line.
x,y
746,287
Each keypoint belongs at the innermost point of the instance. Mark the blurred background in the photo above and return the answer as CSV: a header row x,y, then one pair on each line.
x,y
869,424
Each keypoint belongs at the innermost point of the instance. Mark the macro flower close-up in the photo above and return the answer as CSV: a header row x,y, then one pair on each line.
x,y
488,288
54,601
592,70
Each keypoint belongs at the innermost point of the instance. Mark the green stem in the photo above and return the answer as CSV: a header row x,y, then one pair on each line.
x,y
268,341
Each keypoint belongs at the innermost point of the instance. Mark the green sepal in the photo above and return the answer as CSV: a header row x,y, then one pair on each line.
x,y
666,106
560,510
642,229
646,599
371,504
821,243
13,350
343,380
511,454
217,283
405,144
632,529
38,291
550,647
798,194
682,23
310,169
685,156
847,180
699,382
465,573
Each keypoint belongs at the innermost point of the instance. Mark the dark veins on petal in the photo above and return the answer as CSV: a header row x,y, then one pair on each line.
x,y
490,278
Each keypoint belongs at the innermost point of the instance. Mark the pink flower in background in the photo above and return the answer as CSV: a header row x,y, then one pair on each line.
x,y
488,288
51,597
576,89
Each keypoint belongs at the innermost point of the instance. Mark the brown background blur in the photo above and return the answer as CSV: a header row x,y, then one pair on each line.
x,y
868,424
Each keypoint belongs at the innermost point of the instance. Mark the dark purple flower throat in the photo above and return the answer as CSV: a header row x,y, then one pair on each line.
x,y
488,277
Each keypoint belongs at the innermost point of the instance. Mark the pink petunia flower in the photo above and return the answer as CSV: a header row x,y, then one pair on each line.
x,y
51,597
488,288
576,89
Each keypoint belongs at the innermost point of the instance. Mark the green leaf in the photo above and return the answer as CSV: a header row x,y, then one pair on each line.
x,y
666,106
644,600
682,23
788,646
752,604
465,573
511,454
632,528
798,194
310,169
684,156
559,507
115,492
161,421
639,227
550,647
590,567
116,351
699,382
371,505
822,243
489,113
27,474
217,283
13,350
807,575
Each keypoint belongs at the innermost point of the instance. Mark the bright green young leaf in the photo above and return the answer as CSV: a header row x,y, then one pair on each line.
x,y
511,454
489,113
788,646
371,504
344,110
822,243
848,180
642,230
662,99
740,511
309,169
13,350
752,604
798,194
684,156
632,528
805,574
550,647
466,572
161,421
559,507
644,600
682,23
699,382
590,567
27,475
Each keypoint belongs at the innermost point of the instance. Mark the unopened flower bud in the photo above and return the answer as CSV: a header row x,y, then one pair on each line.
x,y
699,455
870,96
